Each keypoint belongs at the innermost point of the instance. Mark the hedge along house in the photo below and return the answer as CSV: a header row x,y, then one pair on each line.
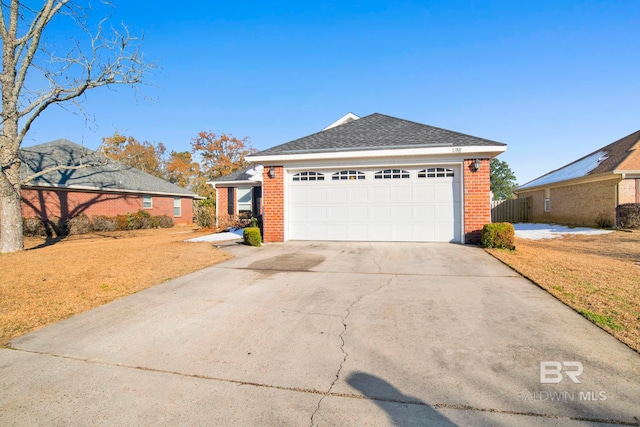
x,y
93,185
377,178
587,191
238,196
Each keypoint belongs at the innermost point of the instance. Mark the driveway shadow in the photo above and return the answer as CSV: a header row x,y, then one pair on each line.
x,y
402,409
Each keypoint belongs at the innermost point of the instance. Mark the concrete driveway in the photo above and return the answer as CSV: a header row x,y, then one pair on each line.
x,y
331,334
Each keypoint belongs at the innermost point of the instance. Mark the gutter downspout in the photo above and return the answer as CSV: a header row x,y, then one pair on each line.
x,y
213,184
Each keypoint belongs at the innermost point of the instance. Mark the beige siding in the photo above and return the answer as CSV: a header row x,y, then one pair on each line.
x,y
582,204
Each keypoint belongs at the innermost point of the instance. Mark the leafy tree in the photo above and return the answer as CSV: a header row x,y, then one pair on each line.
x,y
221,154
53,79
181,170
503,180
146,156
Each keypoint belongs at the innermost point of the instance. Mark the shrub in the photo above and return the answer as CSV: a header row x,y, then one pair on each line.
x,y
80,224
164,221
141,219
33,227
122,222
498,235
252,236
628,215
205,216
104,223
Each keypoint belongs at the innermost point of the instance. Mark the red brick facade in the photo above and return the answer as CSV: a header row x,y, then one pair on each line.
x,y
222,207
477,202
477,199
55,203
273,202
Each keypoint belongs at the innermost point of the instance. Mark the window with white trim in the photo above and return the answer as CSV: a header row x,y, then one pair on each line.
x,y
147,202
347,175
308,176
392,174
436,173
243,200
547,200
177,206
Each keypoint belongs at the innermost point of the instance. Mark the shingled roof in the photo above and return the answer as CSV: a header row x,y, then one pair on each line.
x,y
619,156
376,132
97,172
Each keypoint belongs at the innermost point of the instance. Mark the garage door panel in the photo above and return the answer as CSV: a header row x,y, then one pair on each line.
x,y
414,209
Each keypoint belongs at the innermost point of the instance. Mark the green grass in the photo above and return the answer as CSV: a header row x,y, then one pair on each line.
x,y
601,320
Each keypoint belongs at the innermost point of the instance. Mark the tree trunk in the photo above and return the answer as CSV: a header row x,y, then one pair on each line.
x,y
11,239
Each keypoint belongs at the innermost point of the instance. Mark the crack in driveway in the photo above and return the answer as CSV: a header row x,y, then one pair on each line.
x,y
344,353
436,405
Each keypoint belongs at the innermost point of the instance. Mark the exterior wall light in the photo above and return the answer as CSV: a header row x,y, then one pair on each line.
x,y
475,165
271,172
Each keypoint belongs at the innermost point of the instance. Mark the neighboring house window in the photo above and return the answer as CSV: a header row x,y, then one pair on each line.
x,y
436,173
308,176
147,202
547,200
244,199
347,175
177,206
391,174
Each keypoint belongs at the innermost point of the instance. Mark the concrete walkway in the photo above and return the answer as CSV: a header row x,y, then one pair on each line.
x,y
304,334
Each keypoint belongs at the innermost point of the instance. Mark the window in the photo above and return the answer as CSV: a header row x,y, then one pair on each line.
x,y
347,175
308,176
177,206
436,173
147,202
547,200
391,174
244,199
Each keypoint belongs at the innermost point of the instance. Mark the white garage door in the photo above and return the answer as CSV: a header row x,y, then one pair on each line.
x,y
388,204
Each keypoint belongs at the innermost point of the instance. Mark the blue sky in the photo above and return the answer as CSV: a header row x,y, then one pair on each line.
x,y
554,80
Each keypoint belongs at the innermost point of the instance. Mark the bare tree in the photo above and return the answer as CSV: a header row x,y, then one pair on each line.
x,y
98,60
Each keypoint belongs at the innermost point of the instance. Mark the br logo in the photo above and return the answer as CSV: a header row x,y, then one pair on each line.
x,y
552,372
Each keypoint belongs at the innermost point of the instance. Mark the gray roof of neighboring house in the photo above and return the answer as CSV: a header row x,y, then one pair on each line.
x,y
376,132
603,160
246,174
100,173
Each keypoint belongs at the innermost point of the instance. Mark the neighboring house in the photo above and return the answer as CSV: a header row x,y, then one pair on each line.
x,y
94,185
587,191
238,196
376,178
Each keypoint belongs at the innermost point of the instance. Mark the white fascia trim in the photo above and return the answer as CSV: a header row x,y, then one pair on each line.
x,y
342,120
605,176
108,190
489,150
244,183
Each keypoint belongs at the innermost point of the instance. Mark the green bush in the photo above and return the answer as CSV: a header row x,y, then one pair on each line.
x,y
80,224
628,215
164,221
498,235
252,236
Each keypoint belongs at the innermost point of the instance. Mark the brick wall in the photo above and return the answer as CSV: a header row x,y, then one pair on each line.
x,y
222,208
273,201
477,200
47,204
581,204
629,191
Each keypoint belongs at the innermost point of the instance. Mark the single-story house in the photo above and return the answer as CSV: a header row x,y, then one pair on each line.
x,y
587,191
238,195
93,185
375,178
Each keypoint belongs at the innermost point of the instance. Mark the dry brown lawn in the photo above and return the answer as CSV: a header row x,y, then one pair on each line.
x,y
45,284
598,276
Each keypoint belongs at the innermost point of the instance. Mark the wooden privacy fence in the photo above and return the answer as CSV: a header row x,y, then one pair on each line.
x,y
511,210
